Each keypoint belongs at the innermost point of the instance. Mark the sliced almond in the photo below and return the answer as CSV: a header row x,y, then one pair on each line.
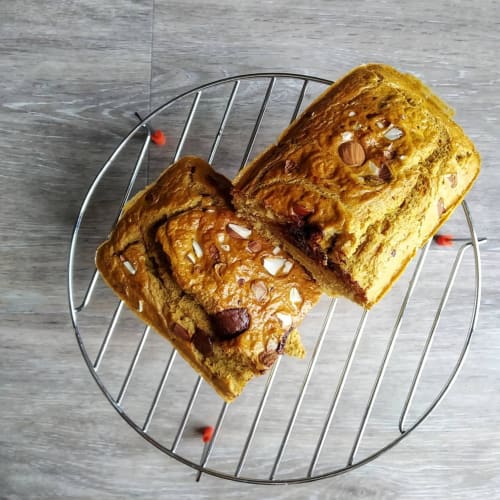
x,y
285,319
130,268
301,210
393,133
221,237
191,257
452,179
352,153
226,248
288,266
388,154
295,297
440,207
140,307
259,289
238,232
347,136
380,124
254,246
268,358
273,265
373,168
272,344
198,251
290,166
351,113
219,268
276,250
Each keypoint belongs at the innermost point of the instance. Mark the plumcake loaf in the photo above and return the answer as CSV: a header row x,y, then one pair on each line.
x,y
225,297
361,180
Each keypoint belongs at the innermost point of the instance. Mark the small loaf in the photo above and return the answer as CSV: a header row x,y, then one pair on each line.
x,y
185,263
361,180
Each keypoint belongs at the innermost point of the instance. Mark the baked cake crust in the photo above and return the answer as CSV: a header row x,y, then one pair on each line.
x,y
361,180
182,260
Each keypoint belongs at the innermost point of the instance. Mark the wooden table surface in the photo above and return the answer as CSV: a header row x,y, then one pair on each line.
x,y
72,74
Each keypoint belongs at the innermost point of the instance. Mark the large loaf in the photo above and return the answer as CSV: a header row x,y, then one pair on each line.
x,y
361,180
225,297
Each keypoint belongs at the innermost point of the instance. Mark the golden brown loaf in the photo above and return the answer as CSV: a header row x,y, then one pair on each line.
x,y
360,180
226,298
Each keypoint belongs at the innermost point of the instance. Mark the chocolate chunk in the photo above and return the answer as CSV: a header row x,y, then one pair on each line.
x,y
298,235
231,322
180,331
308,237
241,281
347,278
219,182
202,341
268,358
384,173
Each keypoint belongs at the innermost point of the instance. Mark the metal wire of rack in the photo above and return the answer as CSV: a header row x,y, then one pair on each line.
x,y
142,133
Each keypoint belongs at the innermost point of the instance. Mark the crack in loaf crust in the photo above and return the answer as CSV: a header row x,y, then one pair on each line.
x,y
370,170
189,267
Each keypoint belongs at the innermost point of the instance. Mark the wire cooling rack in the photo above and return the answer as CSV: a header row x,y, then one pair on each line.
x,y
370,378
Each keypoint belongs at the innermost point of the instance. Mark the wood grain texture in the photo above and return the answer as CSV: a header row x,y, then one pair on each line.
x,y
72,76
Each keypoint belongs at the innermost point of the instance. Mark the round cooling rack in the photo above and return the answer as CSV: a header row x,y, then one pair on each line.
x,y
369,378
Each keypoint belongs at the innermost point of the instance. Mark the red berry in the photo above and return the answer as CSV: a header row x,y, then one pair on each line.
x,y
445,240
158,137
208,433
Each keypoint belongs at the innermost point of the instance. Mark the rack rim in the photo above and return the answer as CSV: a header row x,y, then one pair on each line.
x,y
74,308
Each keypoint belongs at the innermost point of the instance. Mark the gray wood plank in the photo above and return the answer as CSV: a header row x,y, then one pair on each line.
x,y
72,76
